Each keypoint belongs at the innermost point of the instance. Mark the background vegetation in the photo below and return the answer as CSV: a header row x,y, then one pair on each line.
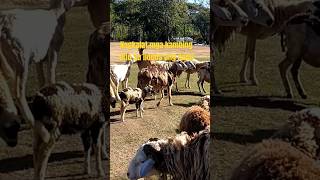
x,y
159,20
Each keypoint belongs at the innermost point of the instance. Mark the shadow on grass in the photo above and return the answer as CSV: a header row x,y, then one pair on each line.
x,y
26,162
255,137
260,101
184,105
190,93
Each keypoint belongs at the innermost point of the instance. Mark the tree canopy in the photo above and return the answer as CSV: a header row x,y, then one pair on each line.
x,y
159,20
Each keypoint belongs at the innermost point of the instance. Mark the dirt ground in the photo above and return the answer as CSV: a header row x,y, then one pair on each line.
x,y
66,161
159,122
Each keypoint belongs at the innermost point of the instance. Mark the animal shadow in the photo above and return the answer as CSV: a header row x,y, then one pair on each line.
x,y
26,162
255,136
269,102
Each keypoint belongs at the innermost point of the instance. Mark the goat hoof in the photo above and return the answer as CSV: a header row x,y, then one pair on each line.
x,y
303,96
254,83
171,104
158,104
243,81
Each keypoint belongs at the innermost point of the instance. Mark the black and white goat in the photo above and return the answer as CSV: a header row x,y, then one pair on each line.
x,y
134,96
68,109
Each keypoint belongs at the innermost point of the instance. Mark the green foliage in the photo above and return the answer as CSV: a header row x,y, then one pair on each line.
x,y
158,20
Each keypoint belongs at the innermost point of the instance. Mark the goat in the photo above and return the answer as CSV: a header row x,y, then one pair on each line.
x,y
68,109
193,67
9,120
120,74
159,78
275,159
302,131
136,96
204,75
21,44
183,157
195,119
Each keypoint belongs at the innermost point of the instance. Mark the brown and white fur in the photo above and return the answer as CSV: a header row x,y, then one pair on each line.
x,y
204,76
183,157
159,78
133,96
67,109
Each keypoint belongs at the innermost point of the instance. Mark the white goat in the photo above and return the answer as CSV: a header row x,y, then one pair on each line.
x,y
120,74
31,36
204,75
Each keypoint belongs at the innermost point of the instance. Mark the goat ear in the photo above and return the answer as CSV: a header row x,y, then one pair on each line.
x,y
153,153
146,167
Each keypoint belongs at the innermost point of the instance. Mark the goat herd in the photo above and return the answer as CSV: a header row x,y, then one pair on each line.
x,y
62,108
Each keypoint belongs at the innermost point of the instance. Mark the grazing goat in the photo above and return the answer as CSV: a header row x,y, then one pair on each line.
x,y
134,96
302,131
9,120
204,75
68,109
195,119
183,157
159,78
38,43
120,74
275,159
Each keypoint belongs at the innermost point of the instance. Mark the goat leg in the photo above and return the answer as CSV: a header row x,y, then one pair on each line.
x,y
20,94
123,110
42,152
97,150
40,73
52,64
170,95
162,95
283,67
86,142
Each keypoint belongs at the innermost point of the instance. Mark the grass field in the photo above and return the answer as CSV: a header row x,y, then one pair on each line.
x,y
159,122
66,161
245,115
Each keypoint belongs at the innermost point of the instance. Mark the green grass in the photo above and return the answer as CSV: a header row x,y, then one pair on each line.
x,y
245,115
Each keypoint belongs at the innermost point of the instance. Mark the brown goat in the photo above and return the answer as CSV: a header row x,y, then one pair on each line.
x,y
159,78
195,119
